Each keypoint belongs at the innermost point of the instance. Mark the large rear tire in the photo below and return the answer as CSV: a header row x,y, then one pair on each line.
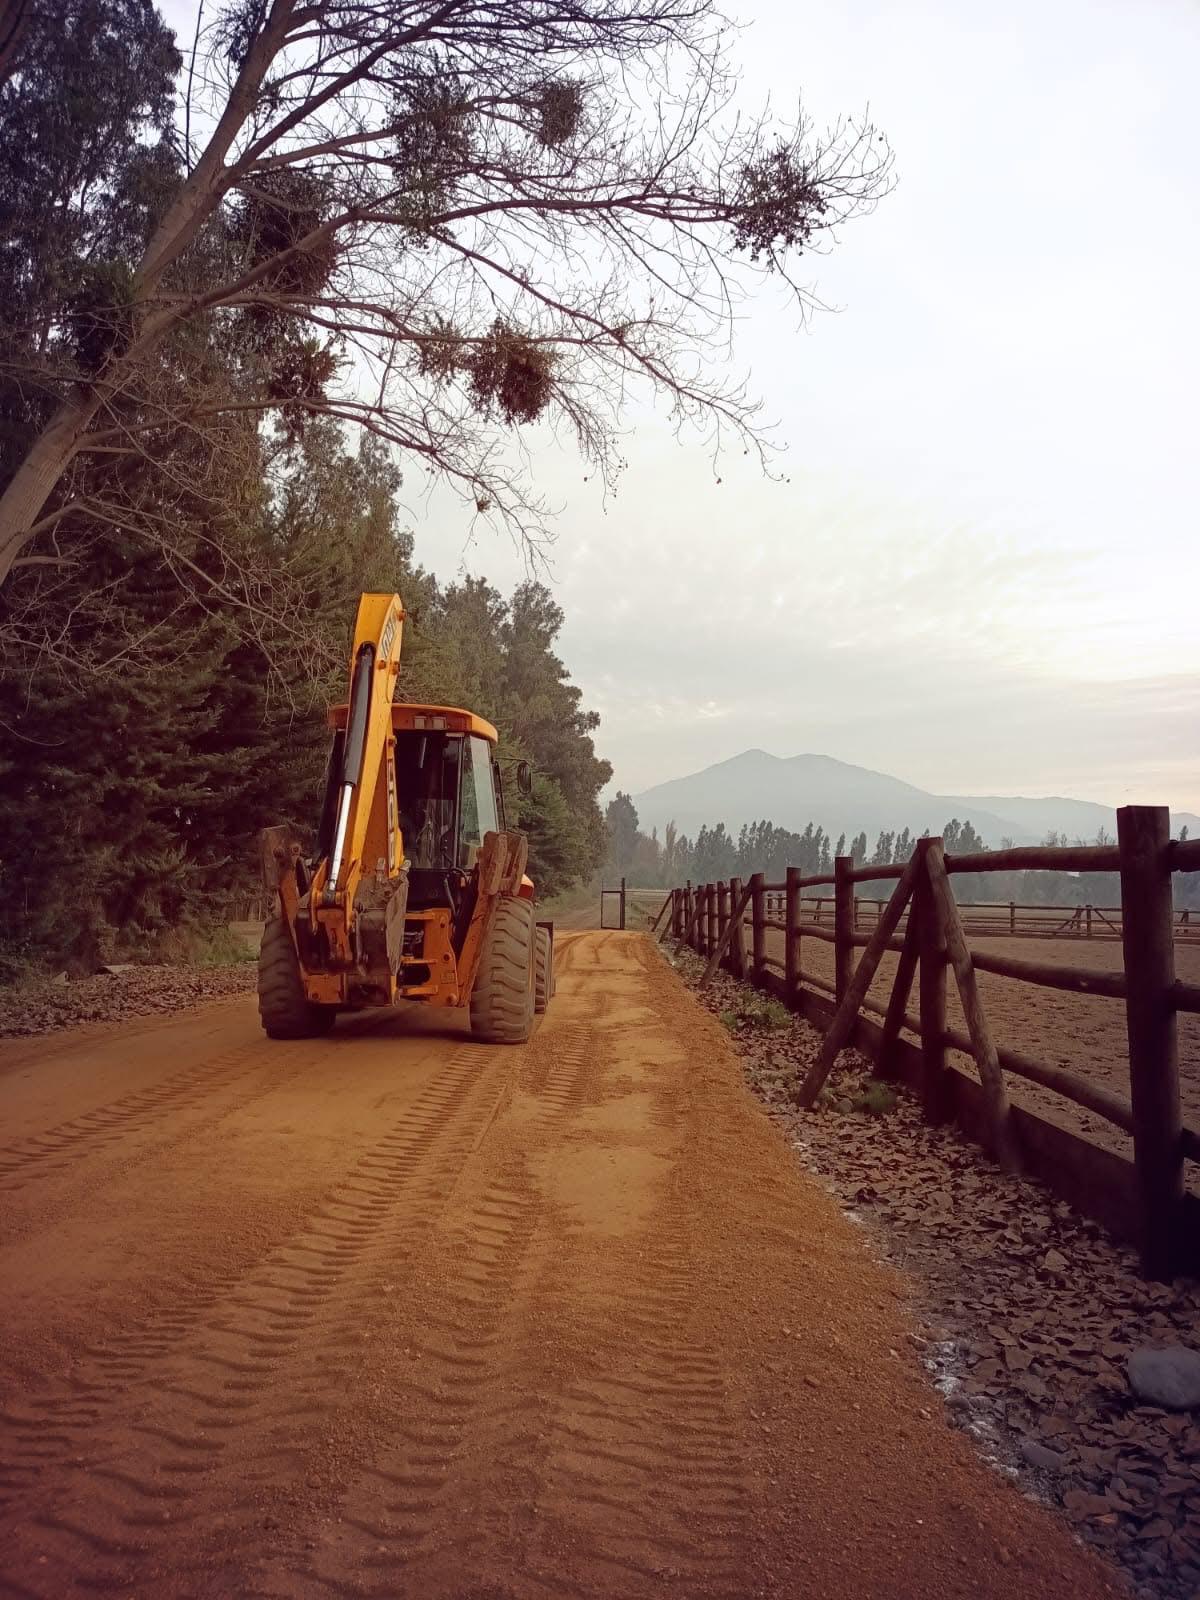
x,y
285,1009
502,998
543,970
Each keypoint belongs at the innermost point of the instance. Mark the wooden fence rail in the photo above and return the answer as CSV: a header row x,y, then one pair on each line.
x,y
1145,1199
1004,918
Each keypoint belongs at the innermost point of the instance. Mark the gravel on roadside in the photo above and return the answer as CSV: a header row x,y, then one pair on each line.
x,y
46,1005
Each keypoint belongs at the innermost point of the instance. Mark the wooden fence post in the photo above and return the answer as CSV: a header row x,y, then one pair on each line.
x,y
983,1046
791,948
1012,916
622,904
906,969
843,924
731,923
1088,920
846,1014
667,905
711,921
737,944
1147,938
931,948
758,931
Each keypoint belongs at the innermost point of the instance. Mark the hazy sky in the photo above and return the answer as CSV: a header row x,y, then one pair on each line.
x,y
982,575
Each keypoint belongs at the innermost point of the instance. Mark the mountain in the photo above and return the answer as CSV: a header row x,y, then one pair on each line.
x,y
792,791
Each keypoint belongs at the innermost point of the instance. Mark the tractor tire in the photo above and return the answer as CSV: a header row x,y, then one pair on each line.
x,y
502,998
543,970
285,1009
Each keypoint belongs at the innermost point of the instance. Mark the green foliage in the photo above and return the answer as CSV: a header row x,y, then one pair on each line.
x,y
511,374
560,112
18,961
434,144
870,1097
780,204
87,166
164,682
621,826
100,313
758,1011
875,1099
221,947
132,809
466,645
772,1014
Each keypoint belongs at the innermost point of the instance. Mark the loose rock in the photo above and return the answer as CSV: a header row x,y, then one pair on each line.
x,y
1169,1377
1041,1455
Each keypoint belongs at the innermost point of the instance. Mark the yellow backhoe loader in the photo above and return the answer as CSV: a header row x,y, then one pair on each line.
x,y
415,890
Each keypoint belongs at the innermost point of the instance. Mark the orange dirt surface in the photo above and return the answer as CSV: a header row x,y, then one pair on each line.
x,y
395,1314
1083,1032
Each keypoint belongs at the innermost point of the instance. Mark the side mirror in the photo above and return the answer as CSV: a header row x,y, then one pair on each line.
x,y
524,777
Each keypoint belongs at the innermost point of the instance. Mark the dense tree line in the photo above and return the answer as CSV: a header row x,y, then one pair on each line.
x,y
716,853
164,670
134,783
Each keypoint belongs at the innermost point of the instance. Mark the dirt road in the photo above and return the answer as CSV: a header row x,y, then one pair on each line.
x,y
394,1314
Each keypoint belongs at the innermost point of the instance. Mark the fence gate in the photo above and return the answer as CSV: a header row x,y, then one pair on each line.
x,y
606,909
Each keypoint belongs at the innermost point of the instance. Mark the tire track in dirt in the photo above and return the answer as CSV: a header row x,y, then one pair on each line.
x,y
639,1473
562,1320
164,1101
407,1508
253,1360
602,1469
109,1124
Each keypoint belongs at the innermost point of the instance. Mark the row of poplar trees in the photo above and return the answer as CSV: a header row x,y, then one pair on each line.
x,y
162,679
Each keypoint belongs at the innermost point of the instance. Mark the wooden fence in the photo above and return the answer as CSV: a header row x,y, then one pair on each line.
x,y
1144,1200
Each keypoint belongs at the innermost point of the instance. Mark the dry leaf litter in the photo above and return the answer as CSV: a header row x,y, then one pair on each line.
x,y
117,996
1028,1311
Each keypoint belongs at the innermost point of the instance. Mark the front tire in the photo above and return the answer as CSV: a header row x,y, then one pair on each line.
x,y
285,1009
502,997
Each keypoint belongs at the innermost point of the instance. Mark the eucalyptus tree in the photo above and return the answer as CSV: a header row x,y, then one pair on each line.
x,y
437,220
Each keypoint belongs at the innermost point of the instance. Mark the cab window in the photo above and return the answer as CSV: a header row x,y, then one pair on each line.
x,y
427,785
477,809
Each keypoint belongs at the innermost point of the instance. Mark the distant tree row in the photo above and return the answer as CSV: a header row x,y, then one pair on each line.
x,y
716,853
762,846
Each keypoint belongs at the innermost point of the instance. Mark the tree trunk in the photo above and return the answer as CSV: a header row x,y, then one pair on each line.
x,y
55,447
14,20
34,480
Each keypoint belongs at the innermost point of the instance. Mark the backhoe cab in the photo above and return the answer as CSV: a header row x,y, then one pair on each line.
x,y
415,890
